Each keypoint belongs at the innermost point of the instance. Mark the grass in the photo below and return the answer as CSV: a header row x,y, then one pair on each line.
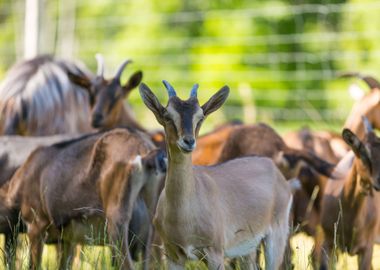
x,y
97,257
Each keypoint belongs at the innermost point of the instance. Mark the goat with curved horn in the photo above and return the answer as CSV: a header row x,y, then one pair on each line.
x,y
194,90
369,80
121,68
100,61
170,88
367,125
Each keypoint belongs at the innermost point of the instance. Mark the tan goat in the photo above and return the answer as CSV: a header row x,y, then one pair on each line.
x,y
208,213
350,215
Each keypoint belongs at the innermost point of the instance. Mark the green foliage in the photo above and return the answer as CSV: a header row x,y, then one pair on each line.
x,y
288,53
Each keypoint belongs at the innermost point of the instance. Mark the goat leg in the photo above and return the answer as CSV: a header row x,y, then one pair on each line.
x,y
326,255
65,250
120,250
36,234
148,248
215,259
365,257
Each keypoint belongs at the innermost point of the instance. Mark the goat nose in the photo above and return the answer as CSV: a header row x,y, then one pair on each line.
x,y
189,141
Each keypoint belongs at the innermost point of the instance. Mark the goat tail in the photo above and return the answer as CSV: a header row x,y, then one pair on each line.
x,y
369,80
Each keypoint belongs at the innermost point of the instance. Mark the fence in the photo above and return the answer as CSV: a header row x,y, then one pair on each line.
x,y
280,59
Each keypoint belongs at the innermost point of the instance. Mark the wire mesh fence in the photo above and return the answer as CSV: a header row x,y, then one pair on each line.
x,y
287,55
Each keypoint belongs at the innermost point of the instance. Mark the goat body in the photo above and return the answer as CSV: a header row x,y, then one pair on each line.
x,y
211,205
208,213
350,205
262,140
83,182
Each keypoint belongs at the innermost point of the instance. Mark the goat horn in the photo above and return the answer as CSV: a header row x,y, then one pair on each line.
x,y
121,68
194,90
367,125
100,61
171,91
369,80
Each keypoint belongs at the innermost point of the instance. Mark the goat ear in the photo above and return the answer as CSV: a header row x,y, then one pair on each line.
x,y
352,140
216,101
133,81
81,81
151,101
357,146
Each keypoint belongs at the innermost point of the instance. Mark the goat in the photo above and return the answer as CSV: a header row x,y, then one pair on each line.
x,y
90,181
210,145
46,96
208,213
319,144
37,98
108,110
350,215
248,140
14,150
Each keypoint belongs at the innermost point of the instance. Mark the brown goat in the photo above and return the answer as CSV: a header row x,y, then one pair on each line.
x,y
351,205
209,146
46,96
14,151
107,97
91,182
262,140
317,143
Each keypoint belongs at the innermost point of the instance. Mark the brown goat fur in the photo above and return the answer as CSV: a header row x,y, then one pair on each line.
x,y
69,186
209,146
108,107
262,140
318,144
350,215
46,96
14,151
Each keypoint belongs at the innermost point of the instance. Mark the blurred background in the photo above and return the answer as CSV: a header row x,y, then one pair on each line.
x,y
280,58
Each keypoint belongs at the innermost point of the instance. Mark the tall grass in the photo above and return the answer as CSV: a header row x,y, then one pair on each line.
x,y
99,257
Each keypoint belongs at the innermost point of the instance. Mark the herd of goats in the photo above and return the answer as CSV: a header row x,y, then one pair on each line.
x,y
78,168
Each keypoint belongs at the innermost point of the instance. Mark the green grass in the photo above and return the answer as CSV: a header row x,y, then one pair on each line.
x,y
97,257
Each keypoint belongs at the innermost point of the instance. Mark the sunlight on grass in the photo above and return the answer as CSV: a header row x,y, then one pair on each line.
x,y
302,245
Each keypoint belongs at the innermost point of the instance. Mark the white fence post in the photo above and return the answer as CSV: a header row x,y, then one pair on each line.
x,y
31,28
